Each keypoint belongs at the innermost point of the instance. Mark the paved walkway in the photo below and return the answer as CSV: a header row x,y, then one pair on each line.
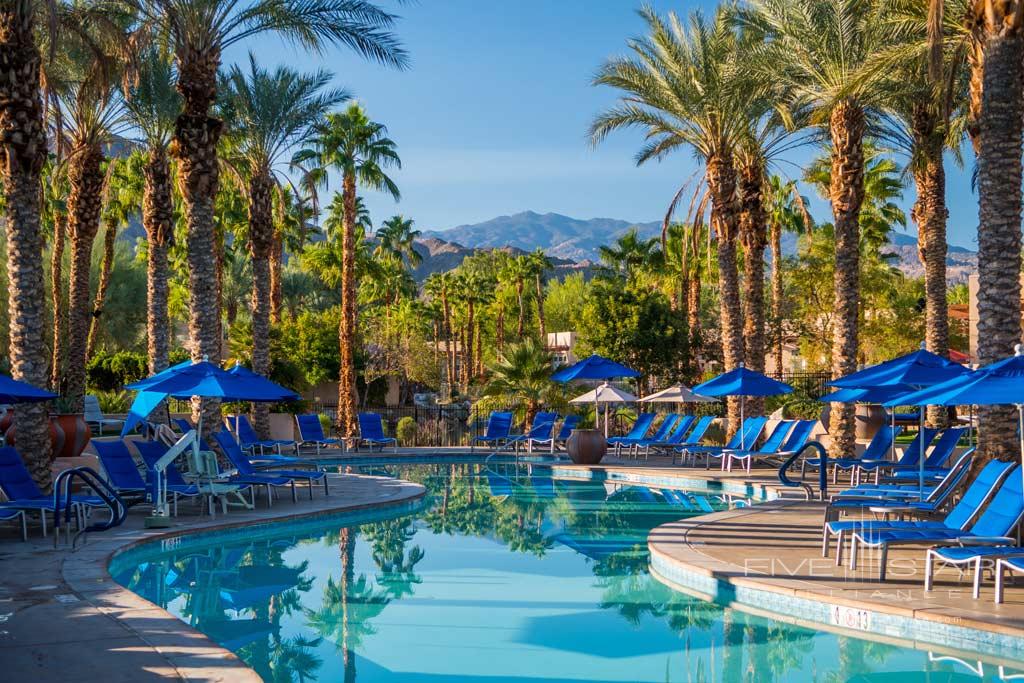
x,y
62,618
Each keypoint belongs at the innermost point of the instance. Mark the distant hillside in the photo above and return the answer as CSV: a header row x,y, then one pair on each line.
x,y
440,256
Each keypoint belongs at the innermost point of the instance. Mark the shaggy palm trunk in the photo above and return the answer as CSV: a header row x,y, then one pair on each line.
x,y
449,344
196,134
346,338
276,262
470,315
85,176
521,325
999,238
693,321
109,240
775,237
479,346
22,152
261,243
721,179
931,215
541,323
158,220
752,234
846,127
60,226
499,329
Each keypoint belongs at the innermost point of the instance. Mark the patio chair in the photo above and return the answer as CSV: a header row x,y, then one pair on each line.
x,y
933,464
541,431
7,514
662,433
796,438
771,444
963,524
570,423
1006,564
910,457
120,470
233,452
499,424
371,432
174,483
23,494
94,416
878,448
637,431
745,437
250,441
311,433
895,500
692,439
674,438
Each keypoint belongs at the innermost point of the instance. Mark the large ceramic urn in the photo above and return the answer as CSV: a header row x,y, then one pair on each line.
x,y
587,446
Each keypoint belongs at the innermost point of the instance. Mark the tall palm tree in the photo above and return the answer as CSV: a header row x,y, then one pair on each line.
x,y
89,116
820,53
359,148
517,270
682,89
397,237
266,114
152,104
630,254
541,265
785,214
439,286
1000,26
55,213
198,32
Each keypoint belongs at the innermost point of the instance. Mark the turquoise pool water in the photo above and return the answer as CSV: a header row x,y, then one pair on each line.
x,y
498,577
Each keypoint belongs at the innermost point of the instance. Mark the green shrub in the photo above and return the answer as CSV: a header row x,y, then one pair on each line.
x,y
405,431
326,423
111,371
114,401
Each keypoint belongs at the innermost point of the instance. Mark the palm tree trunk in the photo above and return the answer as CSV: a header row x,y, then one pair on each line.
x,y
479,346
347,379
85,176
541,323
470,314
195,145
846,126
775,237
109,240
158,220
261,243
499,328
276,263
449,345
521,325
753,235
60,226
999,237
693,321
22,153
721,178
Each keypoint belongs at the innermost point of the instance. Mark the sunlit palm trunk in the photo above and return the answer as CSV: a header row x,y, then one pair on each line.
x,y
521,324
261,242
775,237
22,152
158,220
109,240
693,321
85,177
60,226
752,234
721,179
999,238
541,323
195,145
347,336
846,128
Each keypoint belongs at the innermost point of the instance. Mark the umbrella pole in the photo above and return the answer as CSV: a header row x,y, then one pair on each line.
x,y
920,456
743,402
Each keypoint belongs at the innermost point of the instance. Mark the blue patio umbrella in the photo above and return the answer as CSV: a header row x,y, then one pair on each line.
x,y
16,391
595,367
867,394
742,382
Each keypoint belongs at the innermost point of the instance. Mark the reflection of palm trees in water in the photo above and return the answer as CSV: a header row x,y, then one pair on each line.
x,y
396,567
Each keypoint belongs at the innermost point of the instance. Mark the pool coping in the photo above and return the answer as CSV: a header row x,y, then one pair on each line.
x,y
88,576
690,571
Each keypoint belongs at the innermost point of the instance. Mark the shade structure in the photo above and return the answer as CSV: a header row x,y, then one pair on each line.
x,y
16,391
594,367
743,382
922,368
677,393
604,393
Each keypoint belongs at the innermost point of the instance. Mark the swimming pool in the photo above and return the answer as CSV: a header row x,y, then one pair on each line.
x,y
502,575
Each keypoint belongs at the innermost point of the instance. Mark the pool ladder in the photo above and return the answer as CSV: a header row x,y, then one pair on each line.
x,y
822,471
64,501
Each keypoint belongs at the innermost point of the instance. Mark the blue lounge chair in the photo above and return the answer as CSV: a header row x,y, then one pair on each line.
x,y
7,514
910,457
877,449
897,499
570,423
745,437
233,452
250,441
770,446
638,431
991,527
371,432
1006,564
694,438
934,463
120,469
499,424
23,494
311,433
662,433
541,431
796,437
674,438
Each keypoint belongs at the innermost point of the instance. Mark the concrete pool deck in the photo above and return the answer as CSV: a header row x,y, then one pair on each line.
x,y
62,617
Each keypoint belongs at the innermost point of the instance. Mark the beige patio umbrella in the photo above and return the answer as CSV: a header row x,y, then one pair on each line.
x,y
605,393
677,393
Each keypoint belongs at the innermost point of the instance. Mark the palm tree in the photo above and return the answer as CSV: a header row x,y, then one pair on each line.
x,y
55,214
682,88
521,374
439,286
630,253
785,214
152,104
541,265
397,238
89,116
122,201
517,270
197,32
820,53
266,114
683,259
360,149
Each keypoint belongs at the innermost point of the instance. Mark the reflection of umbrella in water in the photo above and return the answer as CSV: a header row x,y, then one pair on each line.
x,y
236,634
597,549
499,485
606,394
256,585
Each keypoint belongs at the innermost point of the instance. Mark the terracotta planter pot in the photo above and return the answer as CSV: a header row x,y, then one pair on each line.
x,y
76,434
58,437
587,446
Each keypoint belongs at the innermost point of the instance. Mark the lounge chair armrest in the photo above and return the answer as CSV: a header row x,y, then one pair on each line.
x,y
986,540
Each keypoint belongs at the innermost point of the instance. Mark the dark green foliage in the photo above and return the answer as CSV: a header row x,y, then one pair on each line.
x,y
111,371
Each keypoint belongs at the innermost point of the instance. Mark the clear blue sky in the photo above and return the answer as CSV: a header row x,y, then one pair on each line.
x,y
491,119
